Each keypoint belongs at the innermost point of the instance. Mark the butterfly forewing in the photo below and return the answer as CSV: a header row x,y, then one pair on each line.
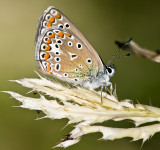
x,y
61,53
53,17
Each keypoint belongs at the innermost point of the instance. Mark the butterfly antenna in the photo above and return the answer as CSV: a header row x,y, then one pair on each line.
x,y
129,54
119,51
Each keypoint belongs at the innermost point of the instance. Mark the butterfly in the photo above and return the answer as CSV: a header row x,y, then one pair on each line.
x,y
63,52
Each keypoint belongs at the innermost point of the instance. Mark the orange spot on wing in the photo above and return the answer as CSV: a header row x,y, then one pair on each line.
x,y
46,56
48,41
52,36
48,68
58,16
52,19
60,34
49,25
68,34
48,48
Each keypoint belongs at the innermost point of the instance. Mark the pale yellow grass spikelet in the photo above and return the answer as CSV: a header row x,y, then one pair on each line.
x,y
84,108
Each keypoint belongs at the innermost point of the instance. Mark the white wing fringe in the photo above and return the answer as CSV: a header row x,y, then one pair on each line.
x,y
84,108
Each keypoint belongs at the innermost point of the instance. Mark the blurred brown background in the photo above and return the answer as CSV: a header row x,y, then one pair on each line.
x,y
102,22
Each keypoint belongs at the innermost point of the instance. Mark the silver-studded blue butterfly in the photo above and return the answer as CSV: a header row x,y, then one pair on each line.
x,y
63,52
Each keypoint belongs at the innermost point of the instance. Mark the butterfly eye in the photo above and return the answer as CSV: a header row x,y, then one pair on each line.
x,y
53,12
79,46
89,61
110,70
70,43
67,25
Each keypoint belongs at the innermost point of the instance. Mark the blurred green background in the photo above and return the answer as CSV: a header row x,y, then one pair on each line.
x,y
102,22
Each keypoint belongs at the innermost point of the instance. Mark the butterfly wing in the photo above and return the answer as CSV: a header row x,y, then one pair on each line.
x,y
61,53
54,17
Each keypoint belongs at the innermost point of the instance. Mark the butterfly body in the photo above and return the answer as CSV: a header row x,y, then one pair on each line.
x,y
63,52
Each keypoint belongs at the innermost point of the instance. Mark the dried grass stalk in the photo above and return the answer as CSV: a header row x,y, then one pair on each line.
x,y
84,108
139,51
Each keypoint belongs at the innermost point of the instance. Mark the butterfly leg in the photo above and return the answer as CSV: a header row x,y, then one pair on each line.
x,y
111,87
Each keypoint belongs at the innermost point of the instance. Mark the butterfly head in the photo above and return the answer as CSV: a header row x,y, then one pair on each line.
x,y
110,70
